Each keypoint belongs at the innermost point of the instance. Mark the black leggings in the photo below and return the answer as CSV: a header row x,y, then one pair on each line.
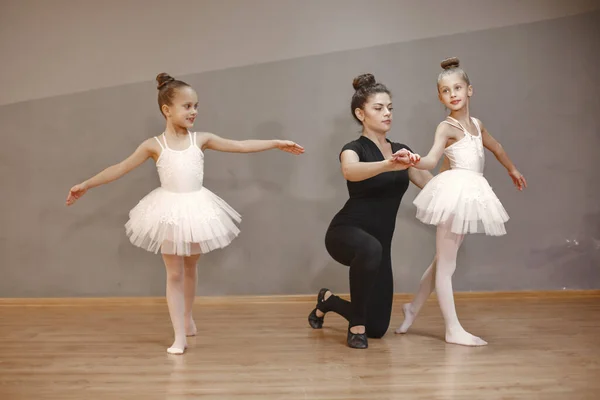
x,y
371,279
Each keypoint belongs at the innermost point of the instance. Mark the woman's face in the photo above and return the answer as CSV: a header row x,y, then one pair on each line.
x,y
376,113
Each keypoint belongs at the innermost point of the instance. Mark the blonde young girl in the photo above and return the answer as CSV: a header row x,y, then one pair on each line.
x,y
459,200
181,218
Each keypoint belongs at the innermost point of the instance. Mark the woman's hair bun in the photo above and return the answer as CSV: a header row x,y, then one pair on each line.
x,y
364,80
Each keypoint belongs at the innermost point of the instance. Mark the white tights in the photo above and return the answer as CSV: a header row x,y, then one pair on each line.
x,y
439,277
182,279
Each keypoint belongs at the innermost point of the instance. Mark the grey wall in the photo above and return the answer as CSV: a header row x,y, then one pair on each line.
x,y
535,89
59,47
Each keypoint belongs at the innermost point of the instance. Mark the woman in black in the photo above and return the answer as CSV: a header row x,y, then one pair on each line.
x,y
360,235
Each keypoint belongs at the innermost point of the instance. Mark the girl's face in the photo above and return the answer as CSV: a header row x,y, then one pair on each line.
x,y
184,109
454,92
376,114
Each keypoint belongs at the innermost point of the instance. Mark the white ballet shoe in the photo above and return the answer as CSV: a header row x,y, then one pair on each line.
x,y
409,318
464,338
176,350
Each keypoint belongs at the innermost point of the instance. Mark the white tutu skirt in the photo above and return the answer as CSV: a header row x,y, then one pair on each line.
x,y
465,200
182,223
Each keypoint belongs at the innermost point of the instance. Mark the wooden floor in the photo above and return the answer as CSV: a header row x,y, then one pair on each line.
x,y
540,348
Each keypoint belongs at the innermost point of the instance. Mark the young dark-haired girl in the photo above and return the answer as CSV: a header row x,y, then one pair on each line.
x,y
182,219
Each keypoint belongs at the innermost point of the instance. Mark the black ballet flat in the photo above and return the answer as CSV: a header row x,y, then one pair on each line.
x,y
357,340
314,321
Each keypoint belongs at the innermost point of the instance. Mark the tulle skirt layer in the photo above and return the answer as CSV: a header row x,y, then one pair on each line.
x,y
182,223
465,200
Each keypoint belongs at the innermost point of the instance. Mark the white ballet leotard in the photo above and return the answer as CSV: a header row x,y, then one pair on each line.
x,y
461,196
181,217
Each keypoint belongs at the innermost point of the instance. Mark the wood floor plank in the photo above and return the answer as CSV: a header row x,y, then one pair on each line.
x,y
540,348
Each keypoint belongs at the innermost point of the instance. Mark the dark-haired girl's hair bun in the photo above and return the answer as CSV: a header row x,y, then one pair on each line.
x,y
450,63
364,80
162,79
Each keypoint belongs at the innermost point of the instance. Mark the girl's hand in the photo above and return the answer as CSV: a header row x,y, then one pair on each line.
x,y
415,158
290,147
406,157
518,179
401,160
75,193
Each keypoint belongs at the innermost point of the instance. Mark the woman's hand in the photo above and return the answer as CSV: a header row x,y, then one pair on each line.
x,y
402,159
406,157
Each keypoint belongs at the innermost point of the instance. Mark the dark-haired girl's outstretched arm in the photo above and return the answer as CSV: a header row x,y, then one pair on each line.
x,y
215,142
144,151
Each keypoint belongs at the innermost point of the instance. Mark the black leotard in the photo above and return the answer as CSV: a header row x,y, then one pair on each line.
x,y
360,236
